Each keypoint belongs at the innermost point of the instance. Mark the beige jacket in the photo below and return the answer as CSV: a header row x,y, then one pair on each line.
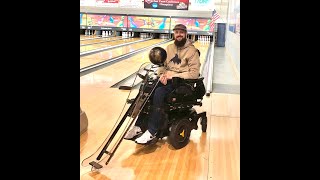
x,y
188,68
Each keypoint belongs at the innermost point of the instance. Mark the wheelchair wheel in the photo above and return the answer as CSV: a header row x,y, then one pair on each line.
x,y
180,133
204,124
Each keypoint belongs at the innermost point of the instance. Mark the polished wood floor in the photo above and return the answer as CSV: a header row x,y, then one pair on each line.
x,y
211,155
86,41
105,43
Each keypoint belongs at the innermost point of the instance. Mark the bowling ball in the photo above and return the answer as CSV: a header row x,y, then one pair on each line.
x,y
158,56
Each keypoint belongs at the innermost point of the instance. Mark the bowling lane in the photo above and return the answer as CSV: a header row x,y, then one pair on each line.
x,y
103,106
107,44
203,48
104,39
87,37
105,55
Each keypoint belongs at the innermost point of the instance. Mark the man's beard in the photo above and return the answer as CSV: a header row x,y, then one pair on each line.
x,y
180,43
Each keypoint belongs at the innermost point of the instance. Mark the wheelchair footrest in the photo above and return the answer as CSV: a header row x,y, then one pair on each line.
x,y
95,165
130,101
203,122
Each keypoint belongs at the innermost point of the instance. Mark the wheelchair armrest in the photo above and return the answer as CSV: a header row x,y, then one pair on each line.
x,y
195,86
176,81
193,80
186,90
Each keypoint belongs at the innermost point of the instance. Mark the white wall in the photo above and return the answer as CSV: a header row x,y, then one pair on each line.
x,y
232,43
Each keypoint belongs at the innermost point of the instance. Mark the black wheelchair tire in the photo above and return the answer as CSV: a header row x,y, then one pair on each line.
x,y
177,140
204,124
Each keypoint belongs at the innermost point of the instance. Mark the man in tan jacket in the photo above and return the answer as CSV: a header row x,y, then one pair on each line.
x,y
183,60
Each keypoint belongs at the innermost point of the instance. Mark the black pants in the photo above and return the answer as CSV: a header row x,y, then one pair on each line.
x,y
157,115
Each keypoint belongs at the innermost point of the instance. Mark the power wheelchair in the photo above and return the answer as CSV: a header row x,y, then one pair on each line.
x,y
180,116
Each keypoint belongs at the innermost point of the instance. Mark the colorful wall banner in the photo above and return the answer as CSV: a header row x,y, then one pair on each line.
x,y
147,22
159,23
138,22
106,20
201,25
83,19
186,21
154,24
192,24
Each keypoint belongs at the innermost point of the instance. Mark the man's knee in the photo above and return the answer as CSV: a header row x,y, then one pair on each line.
x,y
159,93
159,90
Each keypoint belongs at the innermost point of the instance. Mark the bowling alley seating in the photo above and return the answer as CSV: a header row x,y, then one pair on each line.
x,y
83,122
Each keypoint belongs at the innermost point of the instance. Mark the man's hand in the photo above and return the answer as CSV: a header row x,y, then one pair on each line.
x,y
169,75
163,79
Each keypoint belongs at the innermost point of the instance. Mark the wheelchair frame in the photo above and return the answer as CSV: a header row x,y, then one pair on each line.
x,y
181,119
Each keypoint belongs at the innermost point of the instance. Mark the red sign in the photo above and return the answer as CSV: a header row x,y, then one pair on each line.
x,y
111,1
167,4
